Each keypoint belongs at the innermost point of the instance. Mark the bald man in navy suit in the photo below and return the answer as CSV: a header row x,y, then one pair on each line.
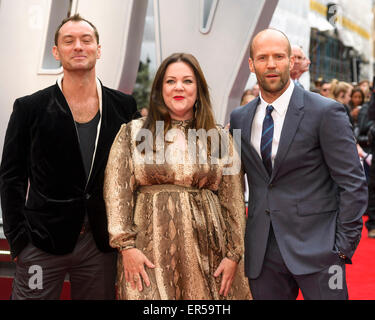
x,y
307,189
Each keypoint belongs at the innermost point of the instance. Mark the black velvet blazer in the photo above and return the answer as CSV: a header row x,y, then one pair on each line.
x,y
44,191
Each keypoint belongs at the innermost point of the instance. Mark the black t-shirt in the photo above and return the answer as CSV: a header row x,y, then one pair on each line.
x,y
87,137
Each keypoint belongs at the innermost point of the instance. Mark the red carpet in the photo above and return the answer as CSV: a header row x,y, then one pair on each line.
x,y
360,275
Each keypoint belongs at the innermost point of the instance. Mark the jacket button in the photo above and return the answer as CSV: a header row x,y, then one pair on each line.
x,y
267,211
87,196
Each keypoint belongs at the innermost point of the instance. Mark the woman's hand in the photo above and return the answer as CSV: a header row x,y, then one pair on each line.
x,y
228,269
134,261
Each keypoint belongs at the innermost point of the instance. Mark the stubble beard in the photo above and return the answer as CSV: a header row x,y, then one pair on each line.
x,y
81,68
277,87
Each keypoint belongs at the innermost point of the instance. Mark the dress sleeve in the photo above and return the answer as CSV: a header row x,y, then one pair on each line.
x,y
231,197
119,191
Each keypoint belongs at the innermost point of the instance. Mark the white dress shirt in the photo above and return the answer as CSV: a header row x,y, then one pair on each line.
x,y
278,114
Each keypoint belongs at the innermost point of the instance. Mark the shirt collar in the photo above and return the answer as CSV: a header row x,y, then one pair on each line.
x,y
281,103
98,89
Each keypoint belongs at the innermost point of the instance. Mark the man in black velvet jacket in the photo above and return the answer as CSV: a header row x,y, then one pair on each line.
x,y
52,170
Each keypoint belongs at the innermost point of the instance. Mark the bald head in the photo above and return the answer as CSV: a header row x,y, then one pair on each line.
x,y
298,54
271,61
301,62
267,35
297,50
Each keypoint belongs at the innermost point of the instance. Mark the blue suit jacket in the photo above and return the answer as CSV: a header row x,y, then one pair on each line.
x,y
317,193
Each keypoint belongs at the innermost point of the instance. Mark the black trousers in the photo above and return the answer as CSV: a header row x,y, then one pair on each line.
x,y
92,273
276,282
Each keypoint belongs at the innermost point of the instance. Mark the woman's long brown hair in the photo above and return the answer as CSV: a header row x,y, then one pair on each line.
x,y
158,111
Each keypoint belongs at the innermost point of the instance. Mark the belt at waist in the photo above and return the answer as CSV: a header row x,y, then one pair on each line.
x,y
168,188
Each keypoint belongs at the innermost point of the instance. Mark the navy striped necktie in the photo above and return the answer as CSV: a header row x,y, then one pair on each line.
x,y
266,141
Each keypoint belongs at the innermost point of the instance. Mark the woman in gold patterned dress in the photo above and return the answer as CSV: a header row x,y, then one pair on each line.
x,y
178,221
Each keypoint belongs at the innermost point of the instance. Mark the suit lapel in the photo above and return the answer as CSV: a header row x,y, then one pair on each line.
x,y
247,123
70,130
292,120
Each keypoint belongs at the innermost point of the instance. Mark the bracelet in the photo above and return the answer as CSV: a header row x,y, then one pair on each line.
x,y
130,246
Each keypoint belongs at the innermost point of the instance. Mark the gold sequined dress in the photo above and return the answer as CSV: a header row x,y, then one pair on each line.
x,y
184,217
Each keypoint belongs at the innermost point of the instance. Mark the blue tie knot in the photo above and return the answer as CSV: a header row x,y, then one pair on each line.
x,y
269,109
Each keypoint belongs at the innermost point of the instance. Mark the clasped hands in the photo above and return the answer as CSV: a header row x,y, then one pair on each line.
x,y
134,262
